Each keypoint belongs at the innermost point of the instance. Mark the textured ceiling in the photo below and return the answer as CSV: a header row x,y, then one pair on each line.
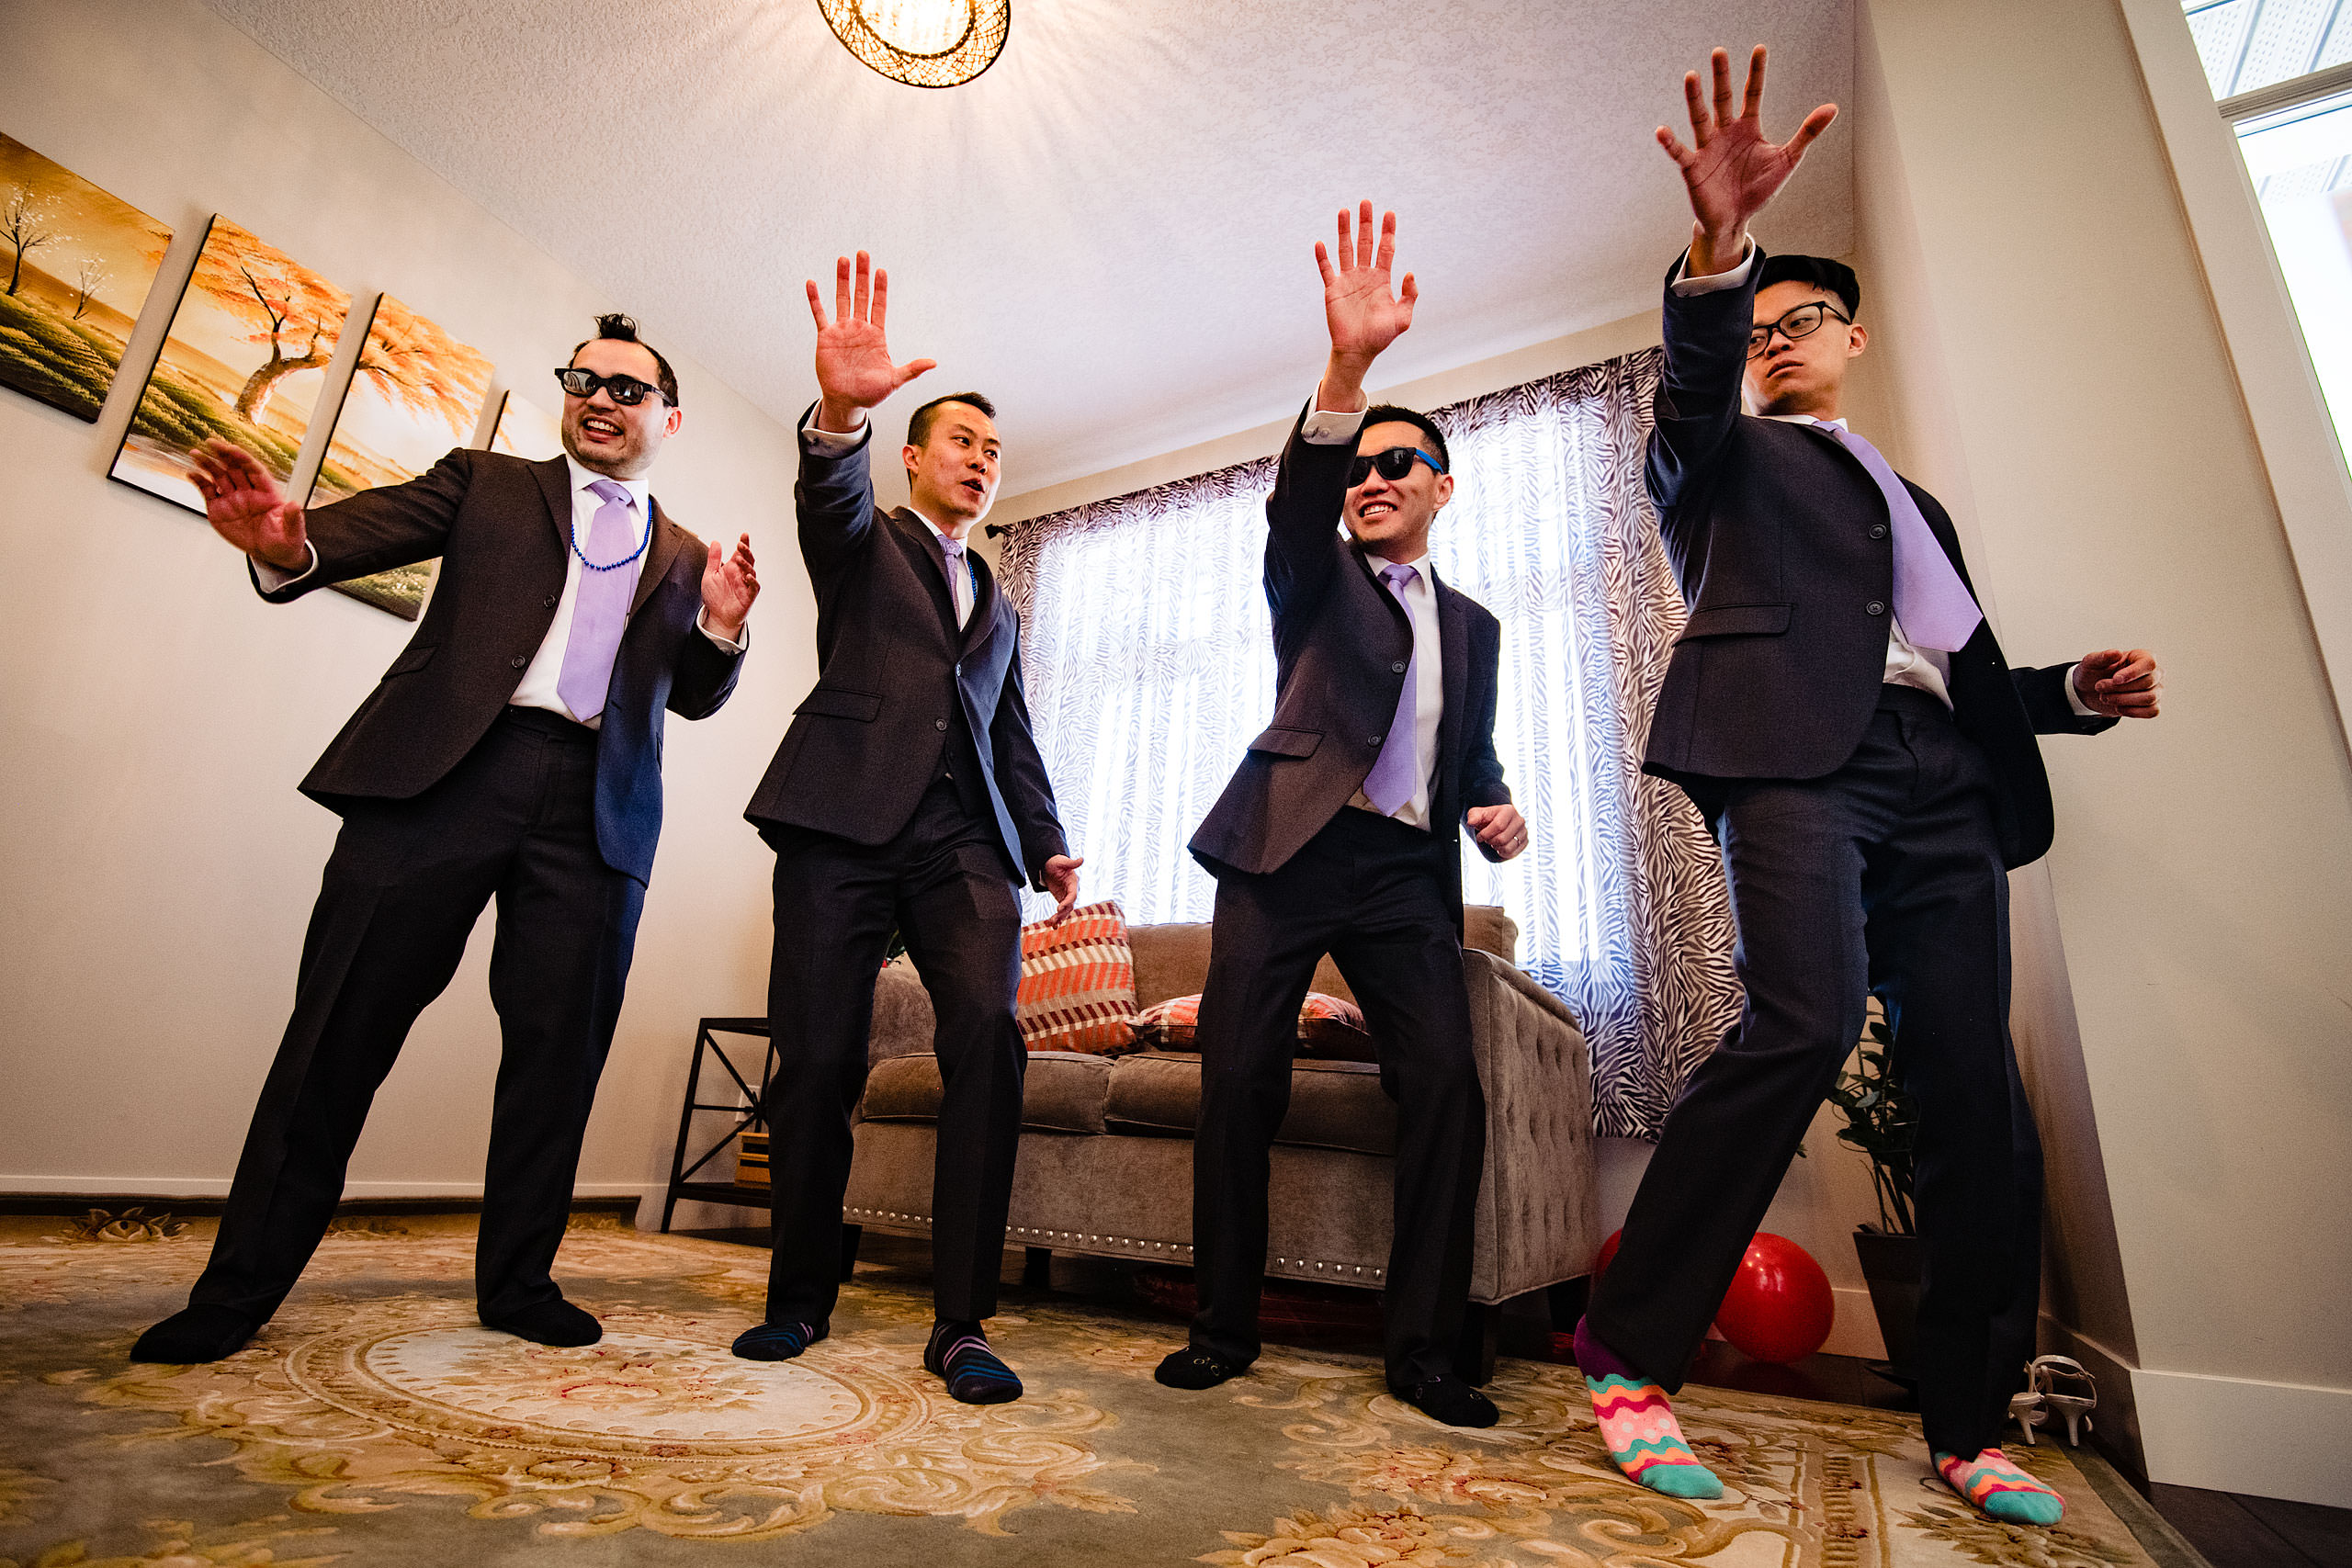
x,y
1110,232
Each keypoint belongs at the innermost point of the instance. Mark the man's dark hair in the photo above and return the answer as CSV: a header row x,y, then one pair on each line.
x,y
621,329
1830,276
1389,413
920,423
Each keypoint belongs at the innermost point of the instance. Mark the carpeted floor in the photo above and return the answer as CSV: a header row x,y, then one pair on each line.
x,y
375,1423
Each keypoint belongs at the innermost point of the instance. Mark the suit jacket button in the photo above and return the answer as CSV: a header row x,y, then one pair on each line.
x,y
518,662
1875,607
939,724
1878,530
1398,668
959,667
1371,739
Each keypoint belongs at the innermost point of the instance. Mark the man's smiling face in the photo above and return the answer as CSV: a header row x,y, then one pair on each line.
x,y
606,437
1392,517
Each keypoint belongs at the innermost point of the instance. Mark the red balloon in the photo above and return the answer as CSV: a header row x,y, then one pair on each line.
x,y
1780,1306
1608,1251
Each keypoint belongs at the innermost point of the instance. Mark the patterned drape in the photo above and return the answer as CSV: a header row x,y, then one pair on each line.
x,y
1149,663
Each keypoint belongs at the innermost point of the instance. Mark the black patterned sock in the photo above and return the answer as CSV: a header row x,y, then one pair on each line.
x,y
959,1353
777,1341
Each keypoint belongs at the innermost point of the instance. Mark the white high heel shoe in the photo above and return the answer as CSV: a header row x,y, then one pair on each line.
x,y
2065,1390
2026,1409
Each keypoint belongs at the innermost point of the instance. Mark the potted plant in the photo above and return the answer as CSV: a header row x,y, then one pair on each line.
x,y
1883,1122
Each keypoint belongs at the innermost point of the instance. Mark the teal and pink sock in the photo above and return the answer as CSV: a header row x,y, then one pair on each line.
x,y
1637,1423
1999,1489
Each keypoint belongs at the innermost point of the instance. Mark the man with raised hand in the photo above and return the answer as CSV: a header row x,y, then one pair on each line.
x,y
1841,715
513,752
1340,834
908,796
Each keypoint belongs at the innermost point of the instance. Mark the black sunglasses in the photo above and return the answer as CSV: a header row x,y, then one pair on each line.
x,y
1392,464
626,390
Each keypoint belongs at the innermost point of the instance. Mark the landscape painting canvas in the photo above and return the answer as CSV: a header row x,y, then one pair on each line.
x,y
80,263
414,393
244,360
526,431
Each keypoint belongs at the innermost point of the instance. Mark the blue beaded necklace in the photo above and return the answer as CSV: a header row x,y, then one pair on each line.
x,y
573,538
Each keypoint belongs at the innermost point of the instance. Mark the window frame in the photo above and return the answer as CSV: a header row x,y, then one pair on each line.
x,y
2294,434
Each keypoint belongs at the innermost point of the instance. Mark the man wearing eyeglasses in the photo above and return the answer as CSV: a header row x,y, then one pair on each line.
x,y
1841,715
513,752
1340,834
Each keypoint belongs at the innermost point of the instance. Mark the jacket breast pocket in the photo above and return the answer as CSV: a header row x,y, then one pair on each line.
x,y
414,660
1736,620
833,702
1288,742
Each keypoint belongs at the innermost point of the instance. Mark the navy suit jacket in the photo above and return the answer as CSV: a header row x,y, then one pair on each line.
x,y
1785,553
503,529
1341,643
897,683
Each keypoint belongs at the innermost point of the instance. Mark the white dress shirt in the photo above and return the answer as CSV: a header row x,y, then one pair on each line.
x,y
838,443
1925,669
1324,428
536,689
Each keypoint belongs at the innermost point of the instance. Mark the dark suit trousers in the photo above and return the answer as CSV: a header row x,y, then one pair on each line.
x,y
515,820
1884,876
1373,893
942,884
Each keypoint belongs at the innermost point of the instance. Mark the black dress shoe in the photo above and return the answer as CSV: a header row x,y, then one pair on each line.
x,y
549,1322
1449,1400
1193,1368
195,1334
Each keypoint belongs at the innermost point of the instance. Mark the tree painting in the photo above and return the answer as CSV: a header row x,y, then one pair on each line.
x,y
62,336
244,360
416,393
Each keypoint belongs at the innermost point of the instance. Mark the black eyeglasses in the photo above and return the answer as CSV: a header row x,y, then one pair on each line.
x,y
626,390
1392,464
1803,321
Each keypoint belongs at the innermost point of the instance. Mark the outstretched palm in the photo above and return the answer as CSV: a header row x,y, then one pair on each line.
x,y
246,506
854,368
1732,171
1364,316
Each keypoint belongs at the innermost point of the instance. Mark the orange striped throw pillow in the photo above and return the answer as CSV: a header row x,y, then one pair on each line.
x,y
1078,982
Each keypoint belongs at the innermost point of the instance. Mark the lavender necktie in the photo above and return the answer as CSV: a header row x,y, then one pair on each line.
x,y
1390,785
600,610
1934,605
959,577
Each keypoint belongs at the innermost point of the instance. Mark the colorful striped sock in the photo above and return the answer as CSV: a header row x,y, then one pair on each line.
x,y
959,1353
2000,1489
1644,1440
777,1341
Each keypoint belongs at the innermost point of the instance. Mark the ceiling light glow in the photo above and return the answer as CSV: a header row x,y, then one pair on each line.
x,y
924,43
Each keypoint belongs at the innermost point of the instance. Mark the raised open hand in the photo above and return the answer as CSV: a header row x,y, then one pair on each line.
x,y
853,368
730,583
248,507
1364,315
1732,172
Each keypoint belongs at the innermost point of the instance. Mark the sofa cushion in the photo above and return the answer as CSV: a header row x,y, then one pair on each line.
x,y
1173,960
1063,1091
1333,1105
1078,982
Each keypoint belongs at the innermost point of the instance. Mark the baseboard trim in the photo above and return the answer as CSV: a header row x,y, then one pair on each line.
x,y
19,1193
1854,1330
2265,1439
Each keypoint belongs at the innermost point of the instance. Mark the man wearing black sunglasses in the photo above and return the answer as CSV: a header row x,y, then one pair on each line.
x,y
1838,710
513,751
1340,834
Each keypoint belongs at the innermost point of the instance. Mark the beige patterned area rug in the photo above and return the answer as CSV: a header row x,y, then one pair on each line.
x,y
375,1423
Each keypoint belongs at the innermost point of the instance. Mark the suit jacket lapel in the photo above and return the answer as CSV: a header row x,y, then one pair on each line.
x,y
982,625
929,563
1944,535
661,550
555,484
1453,663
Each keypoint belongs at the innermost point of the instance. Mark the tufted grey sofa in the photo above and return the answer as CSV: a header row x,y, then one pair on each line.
x,y
1106,1155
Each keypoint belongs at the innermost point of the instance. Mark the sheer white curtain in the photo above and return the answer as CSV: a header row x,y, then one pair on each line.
x,y
1149,663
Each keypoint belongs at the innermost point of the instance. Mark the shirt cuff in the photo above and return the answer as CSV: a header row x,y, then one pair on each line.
x,y
702,624
1715,282
832,443
2075,698
1324,428
272,578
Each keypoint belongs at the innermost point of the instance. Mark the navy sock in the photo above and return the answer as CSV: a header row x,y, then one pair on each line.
x,y
777,1341
959,1353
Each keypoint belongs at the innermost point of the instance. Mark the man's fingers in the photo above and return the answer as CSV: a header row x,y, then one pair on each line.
x,y
865,303
1694,103
1814,124
1365,237
1407,295
881,296
1387,251
816,306
841,289
1347,254
1751,105
1720,63
912,368
1323,265
1674,148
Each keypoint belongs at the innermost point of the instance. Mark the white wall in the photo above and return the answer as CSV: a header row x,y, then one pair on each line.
x,y
2059,375
157,716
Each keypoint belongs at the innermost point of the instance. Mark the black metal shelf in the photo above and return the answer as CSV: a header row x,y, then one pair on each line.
x,y
746,1118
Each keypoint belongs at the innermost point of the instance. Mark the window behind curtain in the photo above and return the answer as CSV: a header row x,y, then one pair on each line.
x,y
1149,655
